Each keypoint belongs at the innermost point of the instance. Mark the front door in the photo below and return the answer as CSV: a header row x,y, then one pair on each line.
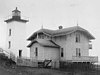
x,y
20,53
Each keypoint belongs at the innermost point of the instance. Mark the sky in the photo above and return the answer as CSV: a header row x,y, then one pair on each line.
x,y
53,13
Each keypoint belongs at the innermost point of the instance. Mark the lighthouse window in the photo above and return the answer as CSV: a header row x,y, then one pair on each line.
x,y
9,32
9,44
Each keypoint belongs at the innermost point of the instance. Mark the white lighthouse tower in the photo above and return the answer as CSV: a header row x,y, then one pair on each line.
x,y
16,34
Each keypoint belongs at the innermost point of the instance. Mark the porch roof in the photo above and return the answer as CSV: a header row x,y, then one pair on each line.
x,y
45,43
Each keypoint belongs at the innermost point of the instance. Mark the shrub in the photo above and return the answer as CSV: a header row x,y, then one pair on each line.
x,y
5,61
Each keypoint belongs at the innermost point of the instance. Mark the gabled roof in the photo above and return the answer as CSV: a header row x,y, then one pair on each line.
x,y
45,43
63,31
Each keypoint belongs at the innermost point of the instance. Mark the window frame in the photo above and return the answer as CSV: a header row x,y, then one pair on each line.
x,y
9,32
62,52
36,51
78,52
9,44
20,53
77,39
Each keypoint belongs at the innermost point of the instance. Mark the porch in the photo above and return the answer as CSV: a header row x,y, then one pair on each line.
x,y
91,59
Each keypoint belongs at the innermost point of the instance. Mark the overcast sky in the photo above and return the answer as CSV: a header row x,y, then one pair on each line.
x,y
53,13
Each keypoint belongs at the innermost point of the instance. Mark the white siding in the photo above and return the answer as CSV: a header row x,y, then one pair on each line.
x,y
44,52
69,44
61,41
51,53
83,44
17,38
40,52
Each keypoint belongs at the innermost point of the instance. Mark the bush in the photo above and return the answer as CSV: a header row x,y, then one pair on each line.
x,y
3,57
5,61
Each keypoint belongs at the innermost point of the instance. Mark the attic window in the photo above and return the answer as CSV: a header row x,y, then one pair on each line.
x,y
77,38
41,36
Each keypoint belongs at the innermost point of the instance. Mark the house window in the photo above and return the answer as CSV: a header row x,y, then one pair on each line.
x,y
20,53
9,44
77,38
78,53
36,51
48,37
9,32
62,52
41,36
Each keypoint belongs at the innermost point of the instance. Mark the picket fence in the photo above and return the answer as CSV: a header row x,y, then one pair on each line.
x,y
34,63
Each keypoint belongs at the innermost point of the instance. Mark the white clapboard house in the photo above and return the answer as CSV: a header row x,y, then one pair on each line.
x,y
65,44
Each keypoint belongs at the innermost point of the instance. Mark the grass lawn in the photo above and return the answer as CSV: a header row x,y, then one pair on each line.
x,y
6,68
41,71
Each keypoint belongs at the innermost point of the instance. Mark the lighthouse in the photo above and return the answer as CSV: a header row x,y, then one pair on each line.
x,y
16,34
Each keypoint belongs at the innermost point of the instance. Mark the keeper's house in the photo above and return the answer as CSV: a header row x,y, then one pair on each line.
x,y
65,44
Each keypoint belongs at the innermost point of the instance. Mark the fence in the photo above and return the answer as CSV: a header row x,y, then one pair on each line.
x,y
55,64
26,62
93,59
35,63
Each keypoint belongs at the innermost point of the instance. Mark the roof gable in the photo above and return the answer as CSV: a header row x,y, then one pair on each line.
x,y
45,43
64,31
